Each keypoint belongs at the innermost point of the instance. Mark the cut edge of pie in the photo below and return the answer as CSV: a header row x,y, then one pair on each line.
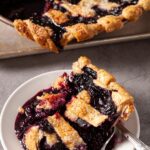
x,y
79,31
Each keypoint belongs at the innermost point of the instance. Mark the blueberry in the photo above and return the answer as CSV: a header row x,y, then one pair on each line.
x,y
81,147
82,123
74,1
45,126
90,72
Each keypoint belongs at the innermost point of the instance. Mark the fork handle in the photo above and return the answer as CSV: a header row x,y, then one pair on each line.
x,y
139,145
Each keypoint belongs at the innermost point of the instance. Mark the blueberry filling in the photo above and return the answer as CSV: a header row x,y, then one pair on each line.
x,y
79,19
82,123
81,147
95,137
51,4
100,100
115,11
44,146
25,120
74,1
45,21
31,116
101,12
45,126
90,72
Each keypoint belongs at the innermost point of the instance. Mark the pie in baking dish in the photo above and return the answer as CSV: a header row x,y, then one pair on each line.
x,y
76,113
63,21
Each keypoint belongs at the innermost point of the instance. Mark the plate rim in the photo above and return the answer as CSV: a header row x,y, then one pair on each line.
x,y
33,78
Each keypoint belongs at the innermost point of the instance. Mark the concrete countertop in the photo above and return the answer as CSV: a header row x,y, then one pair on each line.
x,y
129,62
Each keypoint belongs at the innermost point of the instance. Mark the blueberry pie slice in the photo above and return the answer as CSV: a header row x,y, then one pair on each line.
x,y
77,113
63,21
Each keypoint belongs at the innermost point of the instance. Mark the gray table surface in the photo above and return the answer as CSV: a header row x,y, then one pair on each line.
x,y
129,62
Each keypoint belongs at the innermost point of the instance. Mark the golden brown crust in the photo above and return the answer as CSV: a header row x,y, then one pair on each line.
x,y
80,31
105,77
78,65
21,110
84,95
39,34
67,133
132,13
111,23
47,100
59,81
80,9
32,137
51,139
145,4
122,99
22,28
79,108
57,16
67,37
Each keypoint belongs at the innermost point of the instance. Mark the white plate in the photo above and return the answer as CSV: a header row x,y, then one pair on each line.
x,y
26,91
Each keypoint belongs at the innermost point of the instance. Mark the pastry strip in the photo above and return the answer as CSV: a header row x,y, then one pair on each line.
x,y
122,99
81,109
68,134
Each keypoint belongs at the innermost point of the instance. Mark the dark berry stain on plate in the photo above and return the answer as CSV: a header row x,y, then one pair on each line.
x,y
35,114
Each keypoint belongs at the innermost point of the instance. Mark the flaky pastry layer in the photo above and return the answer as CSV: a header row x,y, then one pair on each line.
x,y
79,31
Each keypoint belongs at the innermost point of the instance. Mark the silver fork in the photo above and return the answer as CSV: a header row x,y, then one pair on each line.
x,y
137,143
106,143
